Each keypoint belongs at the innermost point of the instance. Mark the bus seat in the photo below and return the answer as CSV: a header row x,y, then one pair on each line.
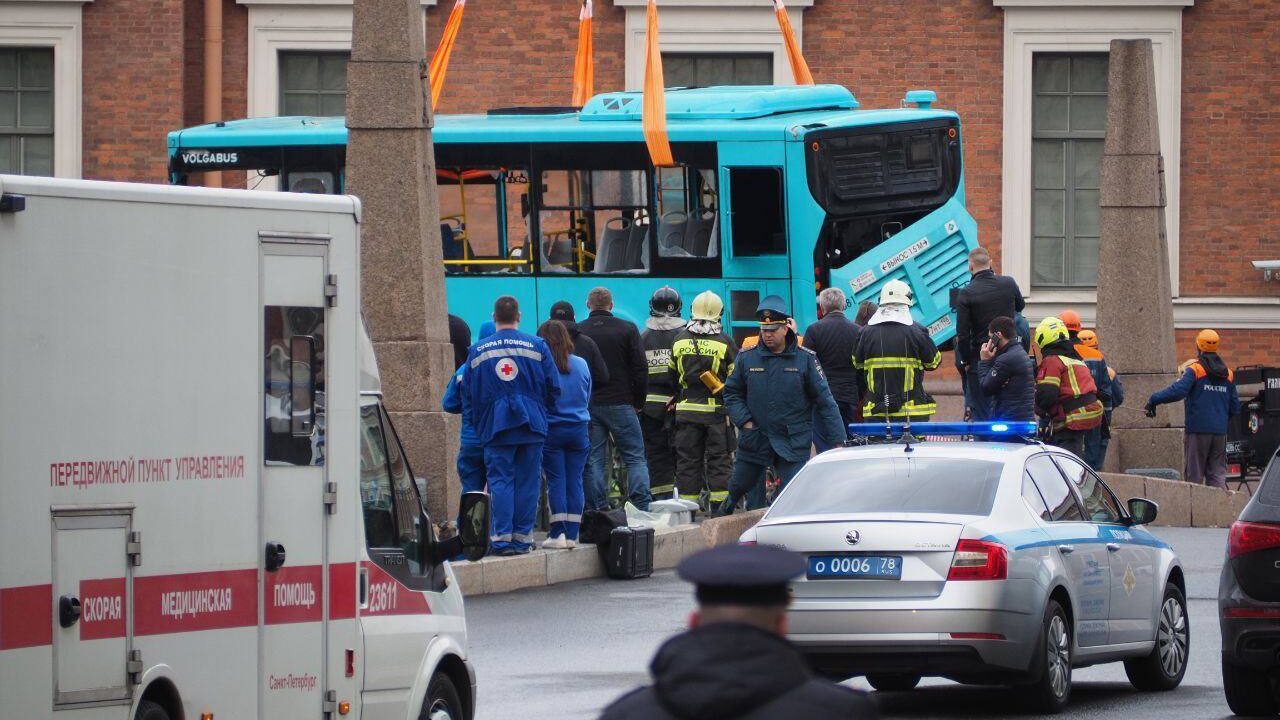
x,y
635,246
671,231
697,234
561,250
449,242
612,249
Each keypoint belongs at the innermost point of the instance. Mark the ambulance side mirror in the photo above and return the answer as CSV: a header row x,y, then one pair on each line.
x,y
473,525
472,540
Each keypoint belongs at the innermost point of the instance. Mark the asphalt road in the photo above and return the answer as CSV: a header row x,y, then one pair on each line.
x,y
564,652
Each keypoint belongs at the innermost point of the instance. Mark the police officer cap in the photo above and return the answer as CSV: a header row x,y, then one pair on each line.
x,y
742,574
772,311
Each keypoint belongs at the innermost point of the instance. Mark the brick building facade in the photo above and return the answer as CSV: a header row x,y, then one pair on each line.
x,y
125,72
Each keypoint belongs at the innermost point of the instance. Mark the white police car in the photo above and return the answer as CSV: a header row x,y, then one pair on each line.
x,y
983,562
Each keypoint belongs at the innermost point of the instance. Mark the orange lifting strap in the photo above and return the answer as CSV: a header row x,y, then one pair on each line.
x,y
799,68
440,60
653,117
583,66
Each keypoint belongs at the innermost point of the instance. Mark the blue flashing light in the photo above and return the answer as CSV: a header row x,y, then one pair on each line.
x,y
986,429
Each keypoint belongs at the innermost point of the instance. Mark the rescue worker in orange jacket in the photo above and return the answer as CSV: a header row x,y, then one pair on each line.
x,y
1066,397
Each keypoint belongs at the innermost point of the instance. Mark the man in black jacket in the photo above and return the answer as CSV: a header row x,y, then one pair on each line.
x,y
583,346
833,339
734,661
1008,373
986,297
615,403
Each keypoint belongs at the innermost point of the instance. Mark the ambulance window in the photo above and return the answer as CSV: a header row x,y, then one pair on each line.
x,y
408,505
294,384
375,482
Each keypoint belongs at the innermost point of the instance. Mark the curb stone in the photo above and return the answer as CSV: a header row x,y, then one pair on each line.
x,y
1181,505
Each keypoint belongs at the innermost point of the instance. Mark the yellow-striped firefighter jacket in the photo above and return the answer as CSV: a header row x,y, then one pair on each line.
x,y
656,342
892,358
693,354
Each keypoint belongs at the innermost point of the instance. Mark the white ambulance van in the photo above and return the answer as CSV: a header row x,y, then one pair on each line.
x,y
204,510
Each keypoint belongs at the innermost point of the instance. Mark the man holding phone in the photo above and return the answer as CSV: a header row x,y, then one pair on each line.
x,y
1008,374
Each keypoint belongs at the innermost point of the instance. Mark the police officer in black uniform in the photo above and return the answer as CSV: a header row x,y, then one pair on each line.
x,y
735,661
656,423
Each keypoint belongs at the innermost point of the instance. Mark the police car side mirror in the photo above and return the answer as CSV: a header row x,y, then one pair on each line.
x,y
1142,511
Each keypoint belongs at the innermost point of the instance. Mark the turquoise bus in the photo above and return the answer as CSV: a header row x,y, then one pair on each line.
x,y
779,190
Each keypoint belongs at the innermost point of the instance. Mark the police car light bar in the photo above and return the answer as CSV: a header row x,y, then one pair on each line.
x,y
1011,429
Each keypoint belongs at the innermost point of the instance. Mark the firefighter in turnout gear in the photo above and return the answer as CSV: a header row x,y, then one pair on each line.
x,y
1066,396
893,354
656,423
701,360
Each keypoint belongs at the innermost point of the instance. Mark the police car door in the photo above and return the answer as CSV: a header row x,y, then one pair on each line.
x,y
1084,558
294,479
1132,557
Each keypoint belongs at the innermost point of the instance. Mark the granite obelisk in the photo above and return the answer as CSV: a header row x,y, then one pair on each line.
x,y
391,167
1135,302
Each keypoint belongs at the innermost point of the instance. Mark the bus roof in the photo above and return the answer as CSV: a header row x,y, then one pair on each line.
x,y
693,115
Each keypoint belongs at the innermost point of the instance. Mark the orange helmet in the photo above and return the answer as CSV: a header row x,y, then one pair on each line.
x,y
1071,319
1207,341
1088,338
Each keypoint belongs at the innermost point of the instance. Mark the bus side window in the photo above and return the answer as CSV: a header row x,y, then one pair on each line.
x,y
319,182
688,221
593,221
757,211
483,221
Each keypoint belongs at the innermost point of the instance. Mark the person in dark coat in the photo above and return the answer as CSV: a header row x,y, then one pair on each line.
x,y
778,399
460,339
734,662
986,297
583,346
833,339
1008,373
617,402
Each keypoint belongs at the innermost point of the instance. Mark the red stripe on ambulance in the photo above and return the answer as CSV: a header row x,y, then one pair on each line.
x,y
294,595
26,616
195,601
342,591
103,608
388,597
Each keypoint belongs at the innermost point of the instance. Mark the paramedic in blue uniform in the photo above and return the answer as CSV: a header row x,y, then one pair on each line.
x,y
778,399
470,450
511,384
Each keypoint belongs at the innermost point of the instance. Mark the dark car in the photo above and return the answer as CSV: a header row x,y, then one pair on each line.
x,y
1249,602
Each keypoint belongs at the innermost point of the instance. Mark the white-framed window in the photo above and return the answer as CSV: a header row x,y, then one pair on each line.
x,y
728,30
282,27
40,88
1068,126
313,82
707,69
1045,29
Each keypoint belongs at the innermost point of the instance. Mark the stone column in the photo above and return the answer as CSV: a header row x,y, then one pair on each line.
x,y
1135,300
391,167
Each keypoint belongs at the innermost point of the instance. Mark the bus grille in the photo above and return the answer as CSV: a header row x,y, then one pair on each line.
x,y
945,264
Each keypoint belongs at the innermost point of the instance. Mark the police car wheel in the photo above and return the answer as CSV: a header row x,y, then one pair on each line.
x,y
442,701
1164,667
1050,689
893,682
148,710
